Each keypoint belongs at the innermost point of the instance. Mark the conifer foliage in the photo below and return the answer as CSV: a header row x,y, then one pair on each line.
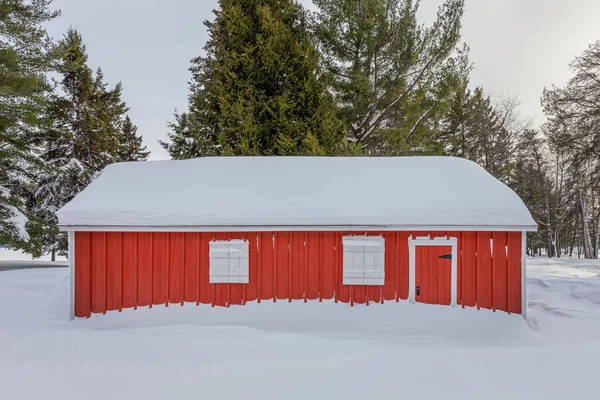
x,y
86,129
130,144
26,55
258,90
392,76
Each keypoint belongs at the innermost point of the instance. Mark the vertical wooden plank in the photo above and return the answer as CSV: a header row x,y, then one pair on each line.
x,y
298,266
144,276
252,288
436,266
191,284
500,300
205,287
321,252
176,267
82,274
397,269
337,282
182,302
129,269
422,274
327,268
98,272
313,253
458,236
434,274
236,293
276,238
484,270
514,272
444,296
290,246
343,294
374,291
402,277
388,291
469,269
282,264
114,270
160,270
305,294
267,262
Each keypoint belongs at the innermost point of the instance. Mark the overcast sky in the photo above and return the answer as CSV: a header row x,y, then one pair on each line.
x,y
517,46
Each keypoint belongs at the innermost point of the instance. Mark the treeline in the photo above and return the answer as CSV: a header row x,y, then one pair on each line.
x,y
361,77
55,134
366,78
560,165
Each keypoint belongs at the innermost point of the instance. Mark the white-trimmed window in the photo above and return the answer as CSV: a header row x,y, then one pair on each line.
x,y
229,261
364,260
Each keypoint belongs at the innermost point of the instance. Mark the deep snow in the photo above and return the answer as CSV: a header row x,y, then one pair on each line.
x,y
300,351
18,255
292,191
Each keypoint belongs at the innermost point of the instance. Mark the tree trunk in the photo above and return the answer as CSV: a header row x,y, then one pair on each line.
x,y
597,248
574,237
587,243
53,258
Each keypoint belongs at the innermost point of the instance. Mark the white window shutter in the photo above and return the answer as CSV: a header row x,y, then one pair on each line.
x,y
229,262
364,260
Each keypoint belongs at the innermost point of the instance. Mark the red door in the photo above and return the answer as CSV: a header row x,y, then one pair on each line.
x,y
433,274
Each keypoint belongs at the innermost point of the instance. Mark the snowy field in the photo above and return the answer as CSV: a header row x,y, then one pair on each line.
x,y
17,255
301,351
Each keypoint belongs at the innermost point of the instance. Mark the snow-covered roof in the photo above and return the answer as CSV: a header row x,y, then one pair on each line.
x,y
398,192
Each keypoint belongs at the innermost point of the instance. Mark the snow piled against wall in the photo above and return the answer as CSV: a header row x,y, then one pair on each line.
x,y
303,351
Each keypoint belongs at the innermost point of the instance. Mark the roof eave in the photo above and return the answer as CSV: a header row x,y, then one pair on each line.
x,y
287,228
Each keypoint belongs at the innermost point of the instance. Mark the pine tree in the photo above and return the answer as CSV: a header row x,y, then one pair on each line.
x,y
26,55
130,144
84,120
258,90
482,131
392,75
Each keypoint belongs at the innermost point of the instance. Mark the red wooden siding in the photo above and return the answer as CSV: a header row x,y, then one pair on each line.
x,y
433,274
115,270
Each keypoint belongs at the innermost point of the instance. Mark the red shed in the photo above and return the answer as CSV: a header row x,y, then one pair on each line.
x,y
226,231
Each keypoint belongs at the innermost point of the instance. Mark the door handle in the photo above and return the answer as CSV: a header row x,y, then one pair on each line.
x,y
418,289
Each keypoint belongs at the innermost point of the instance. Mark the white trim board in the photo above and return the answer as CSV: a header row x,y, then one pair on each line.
x,y
437,241
524,274
72,274
295,228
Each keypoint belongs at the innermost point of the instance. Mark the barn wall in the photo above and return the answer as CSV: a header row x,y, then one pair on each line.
x,y
117,270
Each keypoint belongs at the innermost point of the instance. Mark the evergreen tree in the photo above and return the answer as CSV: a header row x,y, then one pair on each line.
x,y
26,55
258,90
479,130
84,120
130,144
392,76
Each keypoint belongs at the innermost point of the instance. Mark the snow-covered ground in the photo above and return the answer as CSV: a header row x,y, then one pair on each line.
x,y
17,255
300,351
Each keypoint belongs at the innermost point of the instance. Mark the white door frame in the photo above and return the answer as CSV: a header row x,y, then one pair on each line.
x,y
427,241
